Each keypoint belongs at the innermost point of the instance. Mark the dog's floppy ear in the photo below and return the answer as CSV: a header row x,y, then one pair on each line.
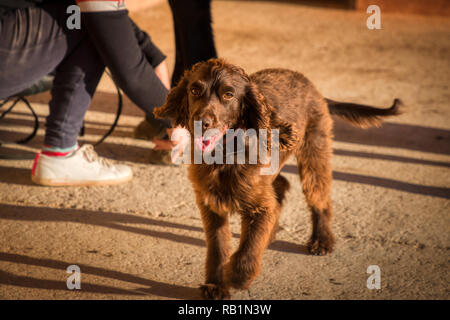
x,y
257,111
259,114
288,134
176,106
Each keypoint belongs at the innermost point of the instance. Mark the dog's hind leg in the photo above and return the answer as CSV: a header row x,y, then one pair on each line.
x,y
313,159
280,186
218,251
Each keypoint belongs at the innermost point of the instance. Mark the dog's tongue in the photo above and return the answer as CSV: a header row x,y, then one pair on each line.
x,y
203,143
207,143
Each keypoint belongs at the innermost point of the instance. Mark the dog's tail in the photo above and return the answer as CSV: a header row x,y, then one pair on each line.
x,y
361,115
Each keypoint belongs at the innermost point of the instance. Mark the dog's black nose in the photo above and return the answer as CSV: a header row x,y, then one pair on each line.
x,y
206,122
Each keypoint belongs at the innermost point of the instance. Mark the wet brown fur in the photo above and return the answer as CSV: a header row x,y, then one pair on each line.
x,y
271,98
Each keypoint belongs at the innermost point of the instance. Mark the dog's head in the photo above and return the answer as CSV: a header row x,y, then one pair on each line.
x,y
221,96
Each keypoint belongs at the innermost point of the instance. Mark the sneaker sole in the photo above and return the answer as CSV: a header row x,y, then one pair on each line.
x,y
59,183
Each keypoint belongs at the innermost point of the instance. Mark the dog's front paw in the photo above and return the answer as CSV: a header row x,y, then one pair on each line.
x,y
212,291
321,246
239,273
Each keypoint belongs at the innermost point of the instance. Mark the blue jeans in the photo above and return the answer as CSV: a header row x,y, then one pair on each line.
x,y
35,42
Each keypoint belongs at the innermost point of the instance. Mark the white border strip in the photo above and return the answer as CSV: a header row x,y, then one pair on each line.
x,y
97,6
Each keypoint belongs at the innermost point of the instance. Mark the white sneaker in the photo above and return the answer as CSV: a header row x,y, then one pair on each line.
x,y
83,168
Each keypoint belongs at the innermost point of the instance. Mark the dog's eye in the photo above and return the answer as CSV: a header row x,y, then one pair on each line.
x,y
228,95
195,91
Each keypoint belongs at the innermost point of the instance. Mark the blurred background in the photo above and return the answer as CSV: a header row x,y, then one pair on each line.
x,y
438,7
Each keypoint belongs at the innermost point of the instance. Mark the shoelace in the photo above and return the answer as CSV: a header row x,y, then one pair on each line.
x,y
92,156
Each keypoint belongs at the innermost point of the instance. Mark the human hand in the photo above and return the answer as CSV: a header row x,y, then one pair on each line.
x,y
179,139
178,135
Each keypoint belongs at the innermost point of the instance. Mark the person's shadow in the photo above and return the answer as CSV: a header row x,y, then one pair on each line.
x,y
144,286
115,221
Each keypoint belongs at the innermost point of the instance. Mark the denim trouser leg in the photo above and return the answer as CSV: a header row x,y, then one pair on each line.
x,y
76,80
35,42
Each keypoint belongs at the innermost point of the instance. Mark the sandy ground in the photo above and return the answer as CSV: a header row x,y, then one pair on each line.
x,y
144,239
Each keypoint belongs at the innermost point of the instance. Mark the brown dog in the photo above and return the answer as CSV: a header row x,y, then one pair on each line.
x,y
222,96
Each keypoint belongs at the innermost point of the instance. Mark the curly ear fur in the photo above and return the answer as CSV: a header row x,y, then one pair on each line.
x,y
259,114
176,106
288,134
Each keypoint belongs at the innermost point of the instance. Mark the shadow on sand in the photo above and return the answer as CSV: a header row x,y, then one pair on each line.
x,y
146,286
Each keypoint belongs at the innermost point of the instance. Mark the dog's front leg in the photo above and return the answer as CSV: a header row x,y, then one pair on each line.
x,y
218,251
256,232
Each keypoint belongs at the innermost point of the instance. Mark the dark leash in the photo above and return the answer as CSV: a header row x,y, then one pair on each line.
x,y
36,120
43,85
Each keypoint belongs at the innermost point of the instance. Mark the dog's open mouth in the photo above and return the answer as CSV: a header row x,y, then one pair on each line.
x,y
208,142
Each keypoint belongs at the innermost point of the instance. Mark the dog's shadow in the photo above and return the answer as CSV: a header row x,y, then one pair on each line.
x,y
290,247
